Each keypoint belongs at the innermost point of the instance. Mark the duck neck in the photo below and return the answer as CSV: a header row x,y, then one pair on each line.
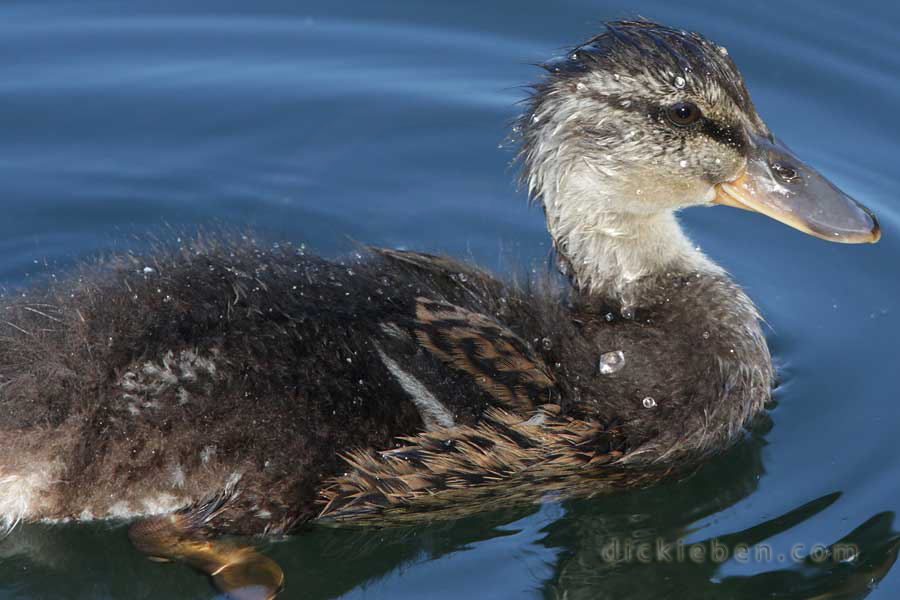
x,y
612,253
647,266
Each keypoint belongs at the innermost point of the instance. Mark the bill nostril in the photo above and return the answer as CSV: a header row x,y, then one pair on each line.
x,y
784,171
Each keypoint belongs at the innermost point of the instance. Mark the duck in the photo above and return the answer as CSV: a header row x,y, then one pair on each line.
x,y
223,390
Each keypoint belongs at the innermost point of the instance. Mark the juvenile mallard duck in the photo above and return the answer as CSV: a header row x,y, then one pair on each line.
x,y
225,388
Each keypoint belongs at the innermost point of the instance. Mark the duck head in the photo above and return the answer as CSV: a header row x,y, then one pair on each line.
x,y
643,120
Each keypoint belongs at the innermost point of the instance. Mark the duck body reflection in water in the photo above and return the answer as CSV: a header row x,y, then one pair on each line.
x,y
228,389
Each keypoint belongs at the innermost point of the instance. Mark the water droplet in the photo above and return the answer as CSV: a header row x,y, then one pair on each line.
x,y
547,343
149,270
679,82
627,313
649,402
723,50
462,277
609,317
683,163
616,76
718,161
610,362
705,335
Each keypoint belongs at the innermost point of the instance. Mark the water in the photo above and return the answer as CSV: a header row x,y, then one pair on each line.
x,y
611,362
324,124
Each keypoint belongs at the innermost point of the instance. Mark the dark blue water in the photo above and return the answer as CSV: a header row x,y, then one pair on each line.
x,y
323,123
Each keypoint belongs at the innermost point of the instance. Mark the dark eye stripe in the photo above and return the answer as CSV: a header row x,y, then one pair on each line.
x,y
733,136
729,135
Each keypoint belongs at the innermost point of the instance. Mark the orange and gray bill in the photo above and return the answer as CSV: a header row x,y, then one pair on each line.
x,y
777,184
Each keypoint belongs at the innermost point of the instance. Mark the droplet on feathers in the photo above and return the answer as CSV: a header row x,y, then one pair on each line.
x,y
610,362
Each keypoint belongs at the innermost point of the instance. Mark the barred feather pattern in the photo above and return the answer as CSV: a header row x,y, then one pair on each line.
x,y
500,362
450,472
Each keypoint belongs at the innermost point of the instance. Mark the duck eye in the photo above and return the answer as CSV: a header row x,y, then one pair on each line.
x,y
683,114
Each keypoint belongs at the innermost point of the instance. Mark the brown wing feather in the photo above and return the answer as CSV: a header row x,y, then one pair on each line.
x,y
426,262
500,362
460,468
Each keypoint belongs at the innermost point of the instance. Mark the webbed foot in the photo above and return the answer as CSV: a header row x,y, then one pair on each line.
x,y
239,571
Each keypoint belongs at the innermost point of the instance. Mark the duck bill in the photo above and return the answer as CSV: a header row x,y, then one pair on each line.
x,y
777,184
